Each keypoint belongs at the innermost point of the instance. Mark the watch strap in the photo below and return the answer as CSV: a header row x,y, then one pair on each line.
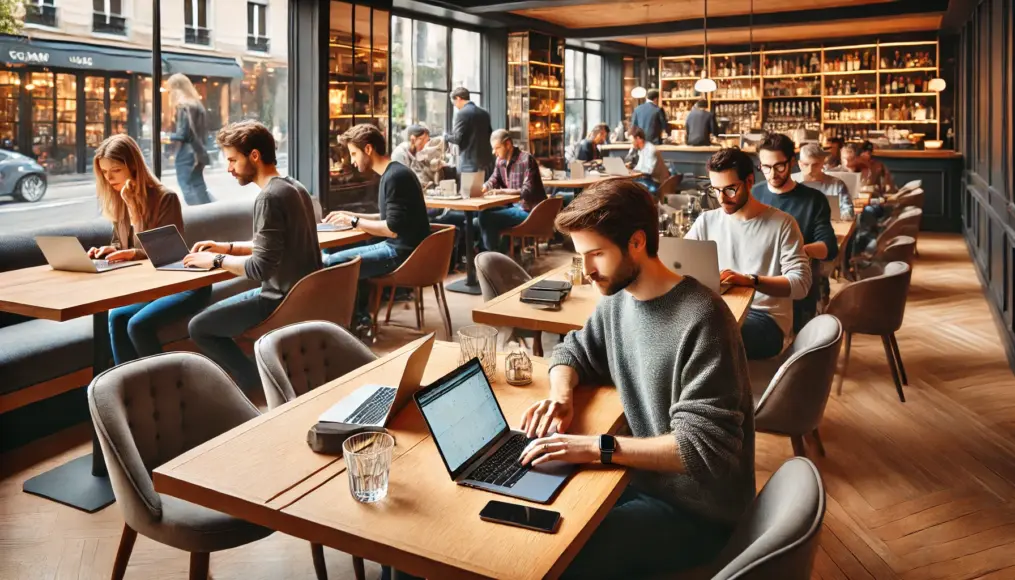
x,y
217,262
355,221
607,445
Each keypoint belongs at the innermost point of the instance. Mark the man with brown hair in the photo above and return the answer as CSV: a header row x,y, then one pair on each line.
x,y
672,348
283,251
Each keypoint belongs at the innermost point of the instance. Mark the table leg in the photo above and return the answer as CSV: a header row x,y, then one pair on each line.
x,y
83,482
470,285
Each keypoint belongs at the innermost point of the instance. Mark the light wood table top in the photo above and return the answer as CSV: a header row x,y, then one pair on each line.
x,y
843,230
472,204
264,472
338,239
587,180
508,310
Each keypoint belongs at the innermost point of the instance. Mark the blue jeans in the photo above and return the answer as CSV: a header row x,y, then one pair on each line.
x,y
133,330
377,260
495,220
213,331
648,183
643,536
190,176
761,335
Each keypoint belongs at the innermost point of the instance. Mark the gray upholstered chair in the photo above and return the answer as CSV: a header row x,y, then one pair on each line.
x,y
898,249
147,412
875,306
778,536
678,200
794,401
498,274
298,358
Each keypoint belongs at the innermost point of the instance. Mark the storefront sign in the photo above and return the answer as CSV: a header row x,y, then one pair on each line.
x,y
28,56
81,60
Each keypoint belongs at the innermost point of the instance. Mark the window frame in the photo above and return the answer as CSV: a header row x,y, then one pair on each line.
x,y
195,25
584,98
260,9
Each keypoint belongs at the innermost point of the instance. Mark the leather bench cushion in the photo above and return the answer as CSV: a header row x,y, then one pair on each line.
x,y
36,351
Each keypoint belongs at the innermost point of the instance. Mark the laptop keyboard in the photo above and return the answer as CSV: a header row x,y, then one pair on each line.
x,y
503,467
374,408
101,263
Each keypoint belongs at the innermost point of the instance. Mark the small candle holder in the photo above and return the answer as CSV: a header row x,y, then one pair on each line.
x,y
518,366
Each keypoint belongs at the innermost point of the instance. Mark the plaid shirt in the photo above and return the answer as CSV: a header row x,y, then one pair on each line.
x,y
519,172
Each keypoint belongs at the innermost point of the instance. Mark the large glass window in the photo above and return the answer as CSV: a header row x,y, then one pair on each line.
x,y
429,61
583,94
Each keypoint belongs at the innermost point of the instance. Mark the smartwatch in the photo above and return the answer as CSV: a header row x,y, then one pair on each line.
x,y
754,278
217,262
354,221
607,445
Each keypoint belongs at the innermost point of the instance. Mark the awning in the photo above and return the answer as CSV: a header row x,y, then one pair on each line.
x,y
83,56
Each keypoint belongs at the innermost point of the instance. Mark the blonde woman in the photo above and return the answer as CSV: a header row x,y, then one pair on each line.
x,y
191,133
134,200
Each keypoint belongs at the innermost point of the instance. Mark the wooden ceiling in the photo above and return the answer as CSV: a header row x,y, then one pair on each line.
x,y
794,32
609,13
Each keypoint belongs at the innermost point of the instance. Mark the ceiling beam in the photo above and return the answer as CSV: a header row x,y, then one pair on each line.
x,y
479,7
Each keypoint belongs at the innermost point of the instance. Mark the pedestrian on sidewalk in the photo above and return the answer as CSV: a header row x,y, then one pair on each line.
x,y
191,133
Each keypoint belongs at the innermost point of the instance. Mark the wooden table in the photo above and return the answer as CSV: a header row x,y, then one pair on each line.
x,y
42,292
264,472
589,179
508,310
470,285
843,233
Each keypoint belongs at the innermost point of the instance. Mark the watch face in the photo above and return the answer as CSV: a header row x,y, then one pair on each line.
x,y
607,443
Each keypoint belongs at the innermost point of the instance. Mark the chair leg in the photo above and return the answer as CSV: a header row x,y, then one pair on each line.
x,y
419,315
376,307
320,567
537,344
535,244
127,539
898,358
511,247
442,307
891,364
422,309
391,302
818,443
358,569
845,363
798,446
199,565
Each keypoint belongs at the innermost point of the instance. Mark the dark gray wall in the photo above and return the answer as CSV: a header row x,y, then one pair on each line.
x,y
494,76
308,107
613,72
985,139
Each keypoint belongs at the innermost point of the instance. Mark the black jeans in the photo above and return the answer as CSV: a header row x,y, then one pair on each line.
x,y
761,334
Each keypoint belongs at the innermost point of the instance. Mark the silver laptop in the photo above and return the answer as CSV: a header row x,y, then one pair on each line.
x,y
473,438
376,404
472,185
166,249
577,169
67,253
851,179
615,166
698,259
333,228
833,207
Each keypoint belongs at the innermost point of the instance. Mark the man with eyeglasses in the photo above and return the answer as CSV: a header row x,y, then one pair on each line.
x,y
759,247
808,207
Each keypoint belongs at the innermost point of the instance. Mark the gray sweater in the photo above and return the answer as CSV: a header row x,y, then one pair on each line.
x,y
679,365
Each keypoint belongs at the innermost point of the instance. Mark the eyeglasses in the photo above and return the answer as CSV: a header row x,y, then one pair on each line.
x,y
730,191
778,167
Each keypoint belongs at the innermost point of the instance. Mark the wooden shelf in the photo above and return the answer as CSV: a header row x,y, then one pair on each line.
x,y
682,98
850,72
909,122
850,122
735,78
744,100
903,95
792,76
847,97
533,87
546,114
679,78
904,70
793,97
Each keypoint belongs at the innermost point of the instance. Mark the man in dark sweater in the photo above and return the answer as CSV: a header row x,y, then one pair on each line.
x,y
283,251
471,132
650,118
588,148
402,219
673,350
808,207
701,124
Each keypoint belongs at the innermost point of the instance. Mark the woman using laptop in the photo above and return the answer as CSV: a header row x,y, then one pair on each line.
x,y
135,201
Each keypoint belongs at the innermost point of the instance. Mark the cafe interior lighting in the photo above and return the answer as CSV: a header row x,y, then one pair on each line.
x,y
705,84
937,84
639,92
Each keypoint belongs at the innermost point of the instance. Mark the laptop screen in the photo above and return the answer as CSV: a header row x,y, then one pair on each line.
x,y
463,415
163,245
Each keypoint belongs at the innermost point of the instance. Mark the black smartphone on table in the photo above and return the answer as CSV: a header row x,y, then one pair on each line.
x,y
553,285
546,297
521,516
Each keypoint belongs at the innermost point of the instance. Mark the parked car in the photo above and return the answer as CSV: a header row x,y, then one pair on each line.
x,y
21,177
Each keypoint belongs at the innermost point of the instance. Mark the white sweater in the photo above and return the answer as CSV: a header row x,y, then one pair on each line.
x,y
770,244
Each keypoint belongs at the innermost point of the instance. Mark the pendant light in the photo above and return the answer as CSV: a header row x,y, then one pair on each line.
x,y
705,84
639,92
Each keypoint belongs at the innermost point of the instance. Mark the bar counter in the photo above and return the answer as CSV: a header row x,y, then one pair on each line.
x,y
940,170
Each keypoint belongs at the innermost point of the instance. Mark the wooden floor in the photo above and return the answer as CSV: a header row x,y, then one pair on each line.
x,y
924,489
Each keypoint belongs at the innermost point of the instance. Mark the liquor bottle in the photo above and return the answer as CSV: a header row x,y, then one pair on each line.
x,y
909,61
856,60
911,86
884,62
895,85
814,63
897,62
919,85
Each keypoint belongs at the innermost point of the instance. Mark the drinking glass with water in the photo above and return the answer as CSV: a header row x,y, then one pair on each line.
x,y
368,461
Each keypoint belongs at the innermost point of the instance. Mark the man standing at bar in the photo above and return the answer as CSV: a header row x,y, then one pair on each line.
x,y
516,173
650,118
701,125
471,132
283,251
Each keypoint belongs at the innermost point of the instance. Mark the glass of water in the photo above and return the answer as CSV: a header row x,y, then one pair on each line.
x,y
479,341
368,461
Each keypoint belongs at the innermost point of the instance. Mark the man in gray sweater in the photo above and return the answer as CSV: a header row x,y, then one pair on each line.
x,y
759,247
672,349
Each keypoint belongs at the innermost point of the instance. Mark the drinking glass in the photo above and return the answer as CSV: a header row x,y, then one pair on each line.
x,y
479,341
368,461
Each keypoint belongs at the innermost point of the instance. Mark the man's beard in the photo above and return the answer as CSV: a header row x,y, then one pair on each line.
x,y
246,178
732,208
625,275
778,182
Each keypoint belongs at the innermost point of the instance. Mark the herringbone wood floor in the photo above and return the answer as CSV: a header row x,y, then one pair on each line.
x,y
919,490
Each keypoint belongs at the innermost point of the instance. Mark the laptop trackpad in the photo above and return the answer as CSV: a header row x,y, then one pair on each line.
x,y
554,468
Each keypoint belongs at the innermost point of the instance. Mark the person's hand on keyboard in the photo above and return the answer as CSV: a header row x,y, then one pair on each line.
x,y
561,447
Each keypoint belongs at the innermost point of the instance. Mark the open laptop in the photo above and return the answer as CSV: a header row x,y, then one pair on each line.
x,y
615,166
473,438
166,249
698,259
472,185
67,253
833,207
375,404
851,179
333,228
577,170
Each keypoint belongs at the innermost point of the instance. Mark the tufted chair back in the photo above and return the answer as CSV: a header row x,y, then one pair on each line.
x,y
300,357
149,411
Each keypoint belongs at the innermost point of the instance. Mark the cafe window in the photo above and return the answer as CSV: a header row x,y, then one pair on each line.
x,y
107,17
429,61
195,17
583,94
10,89
257,27
40,12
